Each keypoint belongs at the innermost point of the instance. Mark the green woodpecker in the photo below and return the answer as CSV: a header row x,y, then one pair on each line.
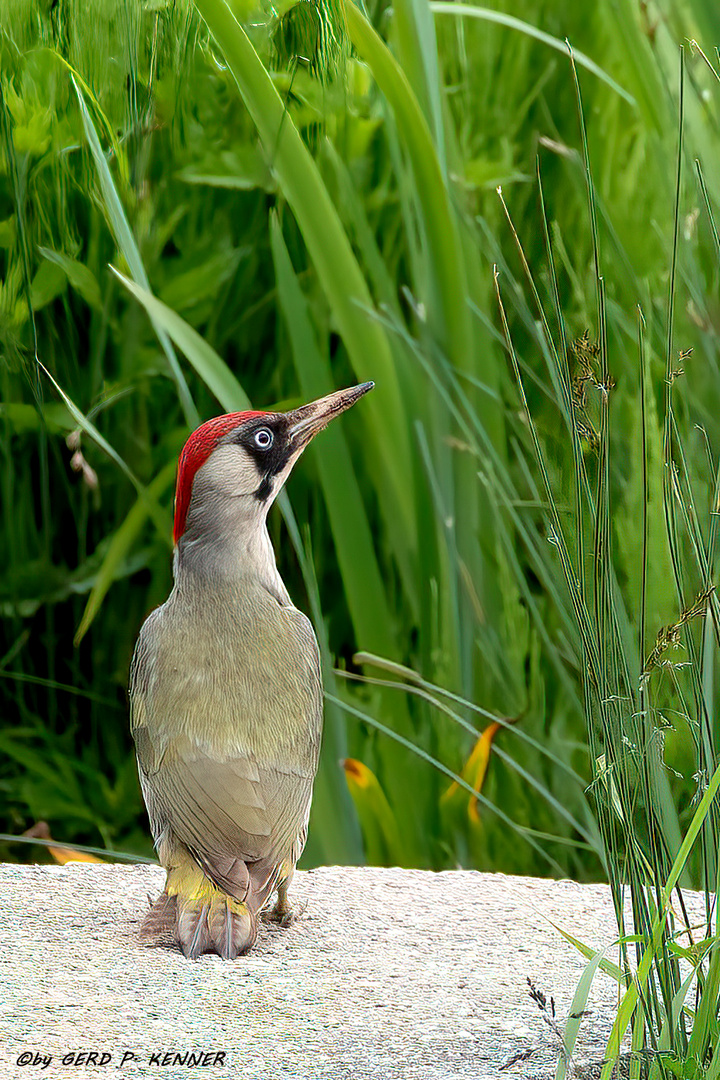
x,y
226,691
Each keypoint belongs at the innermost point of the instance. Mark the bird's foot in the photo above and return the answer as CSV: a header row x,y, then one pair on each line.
x,y
283,915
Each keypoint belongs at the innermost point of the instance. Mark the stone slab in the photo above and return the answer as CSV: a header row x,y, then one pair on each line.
x,y
388,974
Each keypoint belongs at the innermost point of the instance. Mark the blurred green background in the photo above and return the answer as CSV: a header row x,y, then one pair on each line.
x,y
415,530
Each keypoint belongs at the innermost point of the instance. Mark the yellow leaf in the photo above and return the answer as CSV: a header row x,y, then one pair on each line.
x,y
475,769
60,854
381,836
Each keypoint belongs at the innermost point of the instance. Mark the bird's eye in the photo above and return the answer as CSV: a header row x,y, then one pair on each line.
x,y
263,438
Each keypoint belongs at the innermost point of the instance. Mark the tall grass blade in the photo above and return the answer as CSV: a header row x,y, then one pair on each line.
x,y
450,317
501,18
211,368
122,542
128,246
654,943
329,248
362,580
158,515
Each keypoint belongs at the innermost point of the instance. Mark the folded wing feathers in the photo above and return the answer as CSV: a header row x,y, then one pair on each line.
x,y
239,829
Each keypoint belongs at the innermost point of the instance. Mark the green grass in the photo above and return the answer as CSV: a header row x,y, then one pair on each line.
x,y
242,251
636,696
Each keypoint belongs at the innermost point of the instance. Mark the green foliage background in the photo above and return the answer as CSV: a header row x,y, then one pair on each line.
x,y
416,529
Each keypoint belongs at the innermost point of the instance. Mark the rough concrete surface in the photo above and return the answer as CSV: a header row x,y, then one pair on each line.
x,y
385,974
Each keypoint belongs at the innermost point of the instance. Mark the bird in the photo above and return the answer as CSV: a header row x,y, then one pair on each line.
x,y
225,690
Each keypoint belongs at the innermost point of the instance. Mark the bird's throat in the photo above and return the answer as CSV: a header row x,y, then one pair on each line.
x,y
230,560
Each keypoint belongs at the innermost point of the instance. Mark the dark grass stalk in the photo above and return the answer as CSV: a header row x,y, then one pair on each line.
x,y
52,684
610,691
668,501
669,474
557,535
643,694
85,849
561,369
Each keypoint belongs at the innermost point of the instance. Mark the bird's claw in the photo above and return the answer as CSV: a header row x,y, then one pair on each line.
x,y
283,915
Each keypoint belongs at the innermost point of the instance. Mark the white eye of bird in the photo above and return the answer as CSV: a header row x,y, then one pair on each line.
x,y
263,438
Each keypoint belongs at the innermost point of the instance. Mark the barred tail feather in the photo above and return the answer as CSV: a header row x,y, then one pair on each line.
x,y
233,928
193,931
215,923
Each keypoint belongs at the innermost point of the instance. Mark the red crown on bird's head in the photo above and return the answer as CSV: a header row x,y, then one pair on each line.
x,y
195,453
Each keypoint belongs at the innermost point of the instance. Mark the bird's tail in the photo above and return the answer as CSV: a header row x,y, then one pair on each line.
x,y
200,918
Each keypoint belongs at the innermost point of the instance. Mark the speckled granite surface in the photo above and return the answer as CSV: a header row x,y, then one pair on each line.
x,y
386,974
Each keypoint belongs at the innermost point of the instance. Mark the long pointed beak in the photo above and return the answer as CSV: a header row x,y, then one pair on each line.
x,y
309,419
